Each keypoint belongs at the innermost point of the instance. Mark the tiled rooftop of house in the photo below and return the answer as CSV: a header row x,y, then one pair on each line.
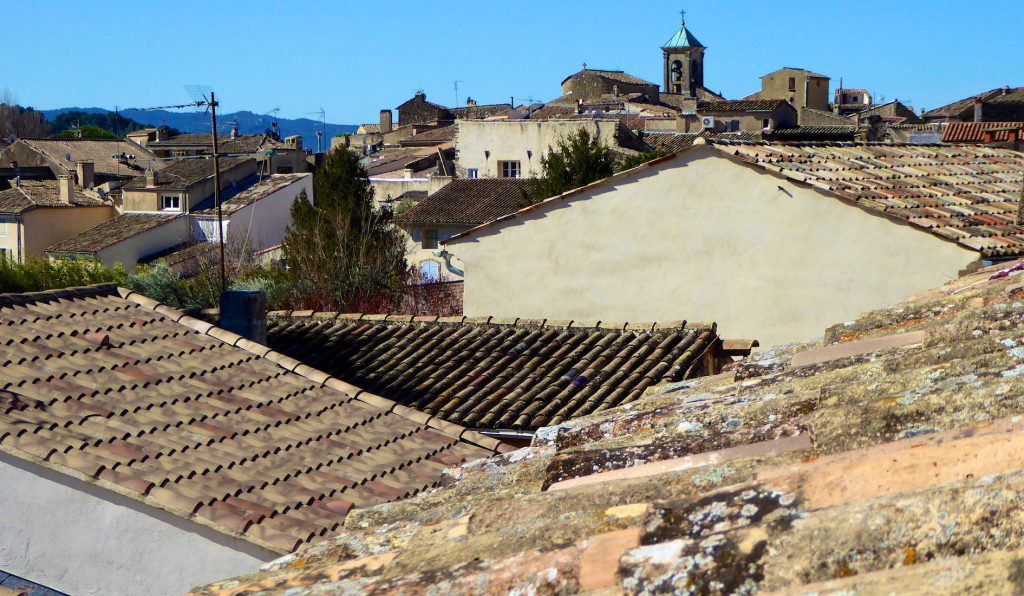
x,y
740,105
491,374
241,144
615,76
967,194
974,132
470,202
961,106
436,136
396,159
29,194
106,155
110,232
183,173
883,459
671,142
262,189
814,133
115,389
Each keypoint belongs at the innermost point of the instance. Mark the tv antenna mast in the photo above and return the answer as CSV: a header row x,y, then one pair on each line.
x,y
457,92
323,127
273,122
203,98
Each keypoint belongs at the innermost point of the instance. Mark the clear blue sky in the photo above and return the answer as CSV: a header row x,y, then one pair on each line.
x,y
353,58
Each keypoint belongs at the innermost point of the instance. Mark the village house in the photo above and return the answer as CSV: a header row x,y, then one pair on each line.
x,y
169,211
846,101
275,156
458,206
35,214
183,184
771,241
747,115
801,88
1005,104
113,161
997,134
513,148
143,451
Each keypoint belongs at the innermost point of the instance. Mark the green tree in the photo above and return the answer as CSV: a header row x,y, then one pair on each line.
x,y
640,158
573,162
342,253
86,132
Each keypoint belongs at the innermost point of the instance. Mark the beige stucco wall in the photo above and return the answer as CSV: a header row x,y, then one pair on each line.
x,y
525,141
149,199
703,237
45,227
10,236
128,252
81,539
811,92
415,254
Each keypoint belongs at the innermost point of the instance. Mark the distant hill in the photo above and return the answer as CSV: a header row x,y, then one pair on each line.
x,y
248,123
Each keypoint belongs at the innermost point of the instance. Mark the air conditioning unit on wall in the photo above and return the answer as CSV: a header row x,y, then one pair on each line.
x,y
707,122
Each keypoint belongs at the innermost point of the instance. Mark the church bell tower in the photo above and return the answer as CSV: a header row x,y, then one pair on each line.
x,y
684,62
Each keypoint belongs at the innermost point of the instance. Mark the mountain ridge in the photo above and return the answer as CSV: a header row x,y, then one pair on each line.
x,y
248,123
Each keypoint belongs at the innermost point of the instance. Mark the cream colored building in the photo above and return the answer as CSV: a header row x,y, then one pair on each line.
x,y
36,214
801,88
739,234
513,148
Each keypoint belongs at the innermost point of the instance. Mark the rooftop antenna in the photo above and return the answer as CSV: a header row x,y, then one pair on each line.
x,y
323,127
273,122
457,92
203,97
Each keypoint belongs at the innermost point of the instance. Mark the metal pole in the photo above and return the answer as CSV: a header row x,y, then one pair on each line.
x,y
216,190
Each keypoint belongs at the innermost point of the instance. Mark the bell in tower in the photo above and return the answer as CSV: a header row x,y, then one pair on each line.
x,y
684,62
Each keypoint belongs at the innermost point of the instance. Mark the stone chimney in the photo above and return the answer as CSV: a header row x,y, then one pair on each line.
x,y
244,312
978,116
234,130
470,102
615,90
85,170
385,121
66,187
151,178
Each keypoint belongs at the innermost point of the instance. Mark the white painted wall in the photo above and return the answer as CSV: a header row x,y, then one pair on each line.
x,y
84,540
259,225
703,238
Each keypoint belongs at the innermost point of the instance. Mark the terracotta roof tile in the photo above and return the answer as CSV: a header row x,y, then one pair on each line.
x,y
105,155
488,375
944,184
973,132
469,202
886,471
111,232
184,421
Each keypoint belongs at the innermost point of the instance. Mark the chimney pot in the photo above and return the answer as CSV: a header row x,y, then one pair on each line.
x,y
67,188
978,110
244,312
151,178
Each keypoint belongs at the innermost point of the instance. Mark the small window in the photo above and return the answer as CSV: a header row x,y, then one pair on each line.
x,y
170,202
509,169
429,238
430,271
472,173
792,83
766,123
3,230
